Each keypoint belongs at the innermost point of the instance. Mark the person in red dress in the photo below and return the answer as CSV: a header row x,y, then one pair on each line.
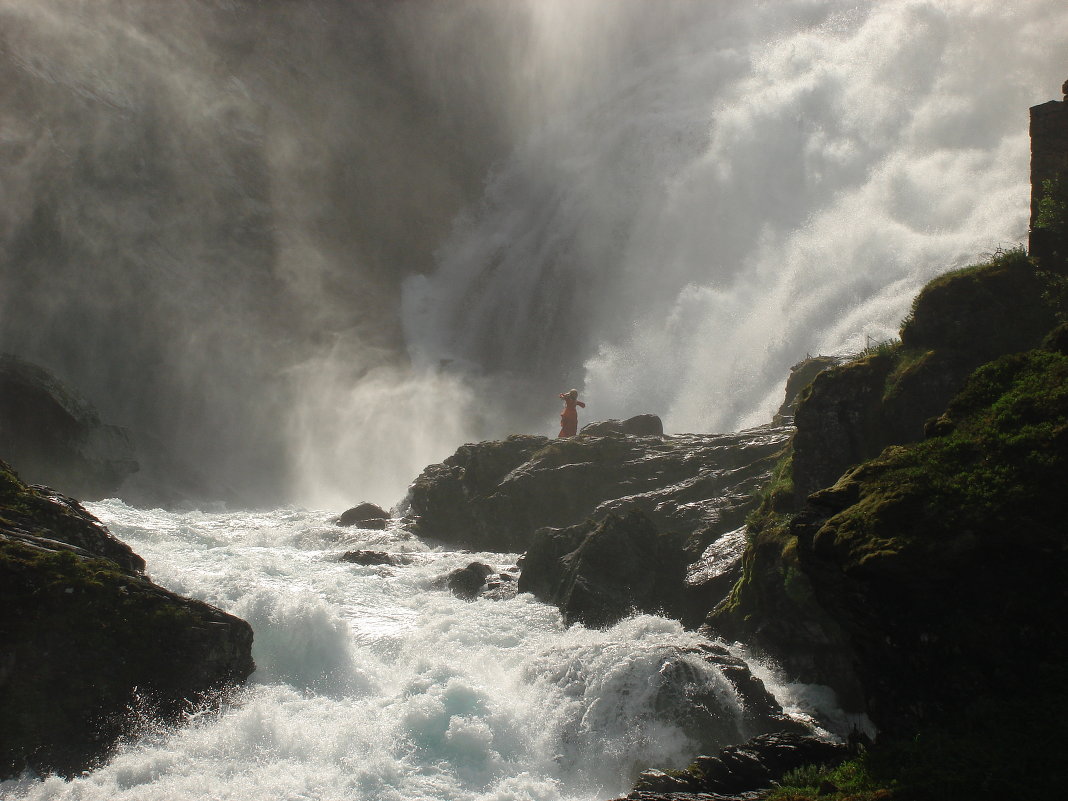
x,y
569,416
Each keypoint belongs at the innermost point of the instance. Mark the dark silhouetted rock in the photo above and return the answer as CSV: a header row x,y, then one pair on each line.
x,y
467,582
85,637
366,515
801,375
493,496
642,425
751,766
598,573
370,558
53,436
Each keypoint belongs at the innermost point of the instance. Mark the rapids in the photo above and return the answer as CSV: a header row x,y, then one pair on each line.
x,y
372,683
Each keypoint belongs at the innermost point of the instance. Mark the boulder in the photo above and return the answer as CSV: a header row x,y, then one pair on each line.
x,y
466,582
88,643
598,573
55,437
371,558
642,425
366,515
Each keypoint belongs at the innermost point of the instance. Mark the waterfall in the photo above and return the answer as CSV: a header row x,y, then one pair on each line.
x,y
312,247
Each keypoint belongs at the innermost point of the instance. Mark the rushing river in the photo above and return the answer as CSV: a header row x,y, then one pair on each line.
x,y
376,683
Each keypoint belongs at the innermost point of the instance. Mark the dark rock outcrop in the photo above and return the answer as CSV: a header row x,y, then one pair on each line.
x,y
598,573
941,561
56,437
371,558
642,425
746,768
801,375
365,515
493,496
85,638
479,580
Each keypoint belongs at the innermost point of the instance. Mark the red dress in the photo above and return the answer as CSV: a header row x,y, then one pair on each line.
x,y
569,416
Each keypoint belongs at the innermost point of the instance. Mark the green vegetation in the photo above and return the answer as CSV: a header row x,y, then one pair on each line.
x,y
850,781
1052,212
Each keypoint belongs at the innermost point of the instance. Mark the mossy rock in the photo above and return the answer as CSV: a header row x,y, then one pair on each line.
x,y
87,642
939,559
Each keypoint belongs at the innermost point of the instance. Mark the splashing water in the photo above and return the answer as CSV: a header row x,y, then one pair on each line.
x,y
372,683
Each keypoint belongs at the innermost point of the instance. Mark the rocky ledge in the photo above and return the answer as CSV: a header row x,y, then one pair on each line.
x,y
87,642
680,497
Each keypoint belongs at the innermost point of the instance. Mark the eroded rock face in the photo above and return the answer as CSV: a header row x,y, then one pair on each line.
x,y
493,496
55,437
598,573
85,637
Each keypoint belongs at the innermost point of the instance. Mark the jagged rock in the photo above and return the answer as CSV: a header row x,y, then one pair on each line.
x,y
366,515
55,437
371,558
598,573
493,496
85,637
801,375
739,769
642,425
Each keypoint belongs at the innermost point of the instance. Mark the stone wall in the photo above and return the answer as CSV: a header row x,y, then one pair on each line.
x,y
1049,159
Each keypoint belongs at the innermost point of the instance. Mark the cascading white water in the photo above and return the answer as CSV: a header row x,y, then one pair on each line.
x,y
746,184
373,683
227,226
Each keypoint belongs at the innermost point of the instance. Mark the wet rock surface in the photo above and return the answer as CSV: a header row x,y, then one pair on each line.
x,y
495,495
740,771
85,637
479,580
598,573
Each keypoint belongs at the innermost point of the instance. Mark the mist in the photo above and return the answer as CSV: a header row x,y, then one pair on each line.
x,y
310,247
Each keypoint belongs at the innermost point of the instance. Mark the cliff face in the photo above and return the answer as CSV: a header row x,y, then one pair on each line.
x,y
930,575
959,321
86,639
